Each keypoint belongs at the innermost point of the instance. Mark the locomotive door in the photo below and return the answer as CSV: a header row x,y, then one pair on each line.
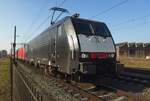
x,y
58,44
53,44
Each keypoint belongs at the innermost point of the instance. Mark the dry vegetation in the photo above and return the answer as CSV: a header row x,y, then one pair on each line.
x,y
4,80
135,62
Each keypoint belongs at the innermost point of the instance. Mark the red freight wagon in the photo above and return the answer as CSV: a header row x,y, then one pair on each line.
x,y
21,53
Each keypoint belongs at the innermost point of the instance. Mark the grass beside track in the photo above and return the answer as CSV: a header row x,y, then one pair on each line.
x,y
135,62
4,79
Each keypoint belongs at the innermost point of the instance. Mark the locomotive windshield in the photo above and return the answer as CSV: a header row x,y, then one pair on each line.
x,y
101,29
90,28
82,28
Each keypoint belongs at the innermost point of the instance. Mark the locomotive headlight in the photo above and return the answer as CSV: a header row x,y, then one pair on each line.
x,y
84,55
112,55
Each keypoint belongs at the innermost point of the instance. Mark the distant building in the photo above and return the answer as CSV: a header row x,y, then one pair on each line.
x,y
3,53
133,49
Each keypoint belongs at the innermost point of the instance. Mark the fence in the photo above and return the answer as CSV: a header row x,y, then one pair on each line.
x,y
24,89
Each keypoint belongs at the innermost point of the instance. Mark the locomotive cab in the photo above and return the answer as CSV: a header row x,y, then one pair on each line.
x,y
97,53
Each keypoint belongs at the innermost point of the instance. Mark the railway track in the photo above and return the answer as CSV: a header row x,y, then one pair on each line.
x,y
136,73
121,88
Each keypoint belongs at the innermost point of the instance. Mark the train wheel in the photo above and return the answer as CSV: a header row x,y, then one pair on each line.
x,y
37,65
45,71
77,76
68,78
49,70
32,63
54,71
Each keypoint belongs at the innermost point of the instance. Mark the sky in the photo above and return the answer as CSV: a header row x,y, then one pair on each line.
x,y
128,20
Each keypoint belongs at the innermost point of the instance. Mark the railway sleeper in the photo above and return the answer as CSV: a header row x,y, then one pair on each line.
x,y
122,98
84,99
76,94
108,97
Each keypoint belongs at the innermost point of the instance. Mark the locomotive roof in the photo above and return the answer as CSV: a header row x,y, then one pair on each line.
x,y
73,18
83,19
64,19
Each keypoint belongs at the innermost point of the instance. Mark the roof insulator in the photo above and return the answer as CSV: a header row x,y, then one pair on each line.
x,y
76,15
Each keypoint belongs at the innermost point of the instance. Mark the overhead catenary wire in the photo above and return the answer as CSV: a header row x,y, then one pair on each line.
x,y
37,28
32,33
36,18
131,20
62,3
127,27
56,2
108,9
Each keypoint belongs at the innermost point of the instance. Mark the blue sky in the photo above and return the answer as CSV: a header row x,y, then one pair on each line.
x,y
127,22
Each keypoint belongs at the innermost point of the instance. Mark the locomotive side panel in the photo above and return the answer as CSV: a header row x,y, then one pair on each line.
x,y
73,60
52,44
37,49
62,49
43,48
